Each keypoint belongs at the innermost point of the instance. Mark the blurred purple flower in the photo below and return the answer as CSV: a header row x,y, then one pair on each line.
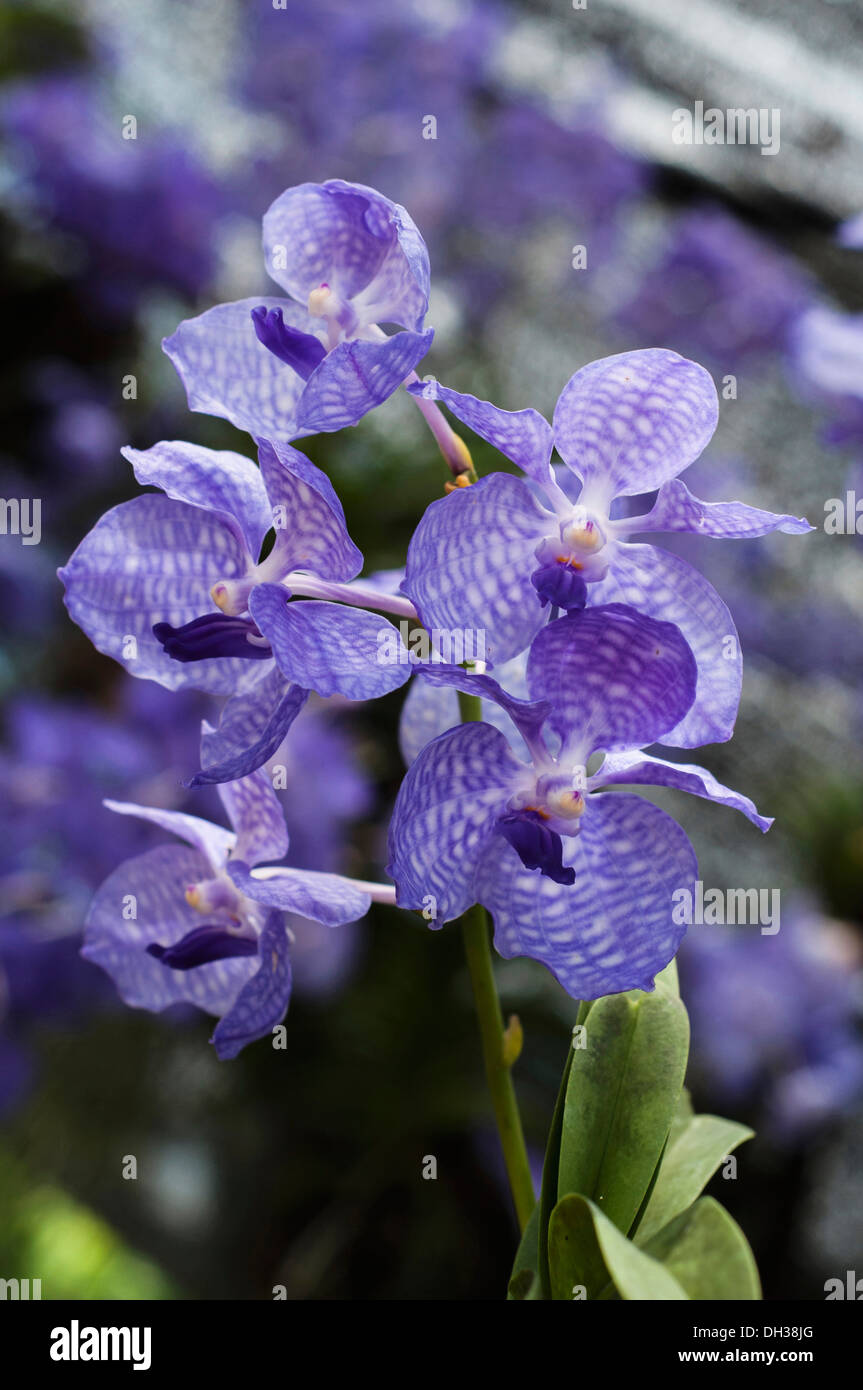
x,y
775,1019
827,358
718,292
143,207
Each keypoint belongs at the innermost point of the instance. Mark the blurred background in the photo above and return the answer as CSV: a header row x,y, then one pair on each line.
x,y
553,132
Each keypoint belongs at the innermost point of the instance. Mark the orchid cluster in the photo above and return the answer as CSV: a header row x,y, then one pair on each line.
x,y
241,580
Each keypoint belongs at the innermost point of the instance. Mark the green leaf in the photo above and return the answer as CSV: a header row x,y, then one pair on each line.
x,y
586,1251
668,978
707,1253
682,1116
621,1096
551,1164
524,1266
692,1157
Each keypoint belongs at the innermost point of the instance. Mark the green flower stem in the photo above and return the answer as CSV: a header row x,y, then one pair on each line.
x,y
475,929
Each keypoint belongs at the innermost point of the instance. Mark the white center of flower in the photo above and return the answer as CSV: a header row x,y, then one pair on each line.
x,y
340,316
214,895
582,534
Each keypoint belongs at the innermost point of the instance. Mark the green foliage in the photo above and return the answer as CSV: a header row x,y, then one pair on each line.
x,y
620,1215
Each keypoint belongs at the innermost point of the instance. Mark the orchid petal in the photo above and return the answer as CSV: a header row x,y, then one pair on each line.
x,y
253,725
430,710
256,814
327,898
612,929
212,841
153,885
665,587
470,561
626,424
631,769
614,678
149,561
226,371
523,436
445,811
218,480
354,240
676,509
528,716
330,648
311,533
263,999
356,376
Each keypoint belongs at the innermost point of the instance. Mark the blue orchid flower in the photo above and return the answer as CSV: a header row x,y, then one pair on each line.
x,y
172,587
497,555
575,876
350,260
201,923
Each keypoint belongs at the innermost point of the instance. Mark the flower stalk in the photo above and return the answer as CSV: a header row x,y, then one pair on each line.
x,y
497,1046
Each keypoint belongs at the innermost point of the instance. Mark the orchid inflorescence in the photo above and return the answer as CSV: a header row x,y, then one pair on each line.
x,y
241,580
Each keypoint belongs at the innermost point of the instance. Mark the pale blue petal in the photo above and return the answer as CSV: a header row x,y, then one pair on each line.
x,y
444,813
641,769
614,678
217,480
326,898
524,436
330,648
154,560
153,886
256,814
430,710
470,561
528,716
226,371
263,1000
252,727
212,841
355,377
626,424
660,584
676,509
311,533
353,239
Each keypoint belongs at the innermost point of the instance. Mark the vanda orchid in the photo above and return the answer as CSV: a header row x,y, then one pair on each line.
x,y
171,587
350,260
200,923
496,557
240,579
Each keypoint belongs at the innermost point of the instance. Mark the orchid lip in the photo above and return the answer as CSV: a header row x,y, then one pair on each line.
x,y
537,845
303,352
202,945
211,636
